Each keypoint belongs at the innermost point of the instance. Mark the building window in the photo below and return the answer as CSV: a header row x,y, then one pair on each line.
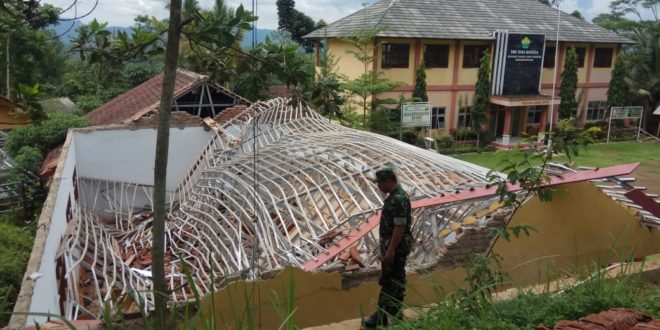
x,y
438,120
581,55
396,55
549,59
436,56
603,58
596,110
464,117
472,56
534,114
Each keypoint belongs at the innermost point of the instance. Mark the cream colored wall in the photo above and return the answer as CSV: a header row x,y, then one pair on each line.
x,y
583,227
582,72
404,75
347,64
440,76
603,75
548,74
469,76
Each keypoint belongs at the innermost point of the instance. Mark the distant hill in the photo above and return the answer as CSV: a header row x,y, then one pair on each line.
x,y
67,30
68,33
261,37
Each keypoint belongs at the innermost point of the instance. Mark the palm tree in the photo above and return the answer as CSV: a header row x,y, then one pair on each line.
x,y
643,66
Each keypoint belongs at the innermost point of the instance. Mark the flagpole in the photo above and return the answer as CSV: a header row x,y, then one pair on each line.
x,y
554,79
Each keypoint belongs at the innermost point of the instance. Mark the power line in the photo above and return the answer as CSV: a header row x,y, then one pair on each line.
x,y
73,23
83,16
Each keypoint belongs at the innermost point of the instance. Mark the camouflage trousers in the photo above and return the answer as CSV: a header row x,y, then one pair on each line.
x,y
393,285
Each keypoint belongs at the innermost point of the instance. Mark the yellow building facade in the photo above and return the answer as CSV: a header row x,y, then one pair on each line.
x,y
450,38
452,85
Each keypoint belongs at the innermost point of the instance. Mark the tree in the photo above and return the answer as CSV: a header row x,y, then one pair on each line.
x,y
643,68
636,7
420,84
28,98
24,43
481,94
303,25
272,63
568,87
616,22
46,136
325,91
371,83
577,14
212,39
285,14
161,295
617,93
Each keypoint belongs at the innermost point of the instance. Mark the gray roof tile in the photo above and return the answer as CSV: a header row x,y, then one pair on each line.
x,y
466,19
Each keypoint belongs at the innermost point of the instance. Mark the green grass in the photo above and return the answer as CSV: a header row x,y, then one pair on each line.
x,y
598,155
527,311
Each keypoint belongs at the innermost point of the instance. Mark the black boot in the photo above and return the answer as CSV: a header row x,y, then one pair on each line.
x,y
376,320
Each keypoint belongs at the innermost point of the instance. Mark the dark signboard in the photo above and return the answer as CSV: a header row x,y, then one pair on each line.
x,y
523,64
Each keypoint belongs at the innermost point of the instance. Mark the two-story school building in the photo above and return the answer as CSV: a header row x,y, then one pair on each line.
x,y
450,36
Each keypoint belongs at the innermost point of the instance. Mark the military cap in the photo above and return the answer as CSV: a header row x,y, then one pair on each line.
x,y
385,174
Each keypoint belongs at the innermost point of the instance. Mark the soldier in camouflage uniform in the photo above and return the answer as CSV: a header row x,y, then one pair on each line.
x,y
395,245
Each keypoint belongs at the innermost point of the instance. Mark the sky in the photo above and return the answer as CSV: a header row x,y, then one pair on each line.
x,y
122,12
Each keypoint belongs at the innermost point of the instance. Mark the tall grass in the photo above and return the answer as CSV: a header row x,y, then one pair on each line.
x,y
469,308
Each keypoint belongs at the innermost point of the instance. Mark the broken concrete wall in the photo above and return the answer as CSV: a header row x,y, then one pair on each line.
x,y
582,227
604,232
40,294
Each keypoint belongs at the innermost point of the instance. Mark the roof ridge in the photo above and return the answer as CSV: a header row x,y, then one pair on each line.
x,y
384,13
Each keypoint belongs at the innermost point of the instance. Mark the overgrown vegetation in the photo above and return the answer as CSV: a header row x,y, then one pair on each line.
x,y
15,247
529,310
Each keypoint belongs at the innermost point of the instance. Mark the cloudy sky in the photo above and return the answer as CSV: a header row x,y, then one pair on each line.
x,y
122,12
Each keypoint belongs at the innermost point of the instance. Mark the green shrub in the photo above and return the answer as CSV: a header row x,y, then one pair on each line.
x,y
409,137
46,136
445,142
15,249
464,134
486,138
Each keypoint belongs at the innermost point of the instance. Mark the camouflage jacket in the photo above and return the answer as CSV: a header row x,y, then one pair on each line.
x,y
396,212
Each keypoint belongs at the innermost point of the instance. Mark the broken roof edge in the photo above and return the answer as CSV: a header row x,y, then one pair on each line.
x,y
24,299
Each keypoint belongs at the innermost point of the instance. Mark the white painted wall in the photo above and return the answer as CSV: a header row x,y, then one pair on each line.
x,y
128,155
45,298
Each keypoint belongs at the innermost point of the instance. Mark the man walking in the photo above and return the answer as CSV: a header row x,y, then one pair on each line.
x,y
395,245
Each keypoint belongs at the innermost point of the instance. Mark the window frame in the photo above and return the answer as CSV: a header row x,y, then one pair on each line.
x,y
442,63
600,56
465,116
536,111
479,49
388,58
581,56
435,118
596,111
552,53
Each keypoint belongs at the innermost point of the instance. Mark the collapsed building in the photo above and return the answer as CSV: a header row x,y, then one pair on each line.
x,y
253,191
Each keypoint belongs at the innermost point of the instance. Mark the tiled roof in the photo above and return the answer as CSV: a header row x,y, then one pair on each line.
x,y
466,19
145,98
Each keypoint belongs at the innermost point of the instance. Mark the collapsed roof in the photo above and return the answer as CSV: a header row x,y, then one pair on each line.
x,y
275,186
249,211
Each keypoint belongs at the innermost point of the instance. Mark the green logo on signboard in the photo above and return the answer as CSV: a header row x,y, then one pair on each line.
x,y
526,43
